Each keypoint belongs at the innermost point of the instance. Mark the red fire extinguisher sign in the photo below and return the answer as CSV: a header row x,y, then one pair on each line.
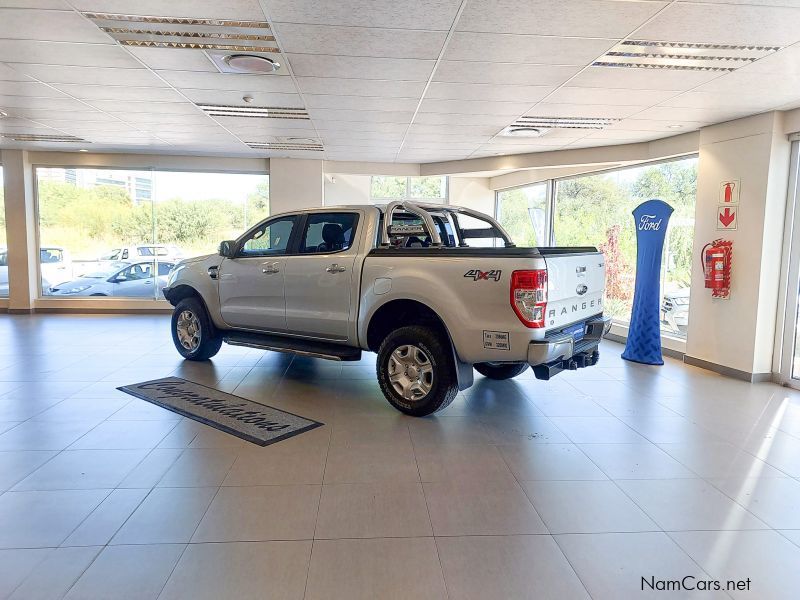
x,y
729,192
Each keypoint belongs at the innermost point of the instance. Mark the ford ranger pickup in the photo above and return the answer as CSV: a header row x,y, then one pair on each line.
x,y
434,290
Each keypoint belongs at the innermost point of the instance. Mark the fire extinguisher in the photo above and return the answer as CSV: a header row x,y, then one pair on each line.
x,y
716,257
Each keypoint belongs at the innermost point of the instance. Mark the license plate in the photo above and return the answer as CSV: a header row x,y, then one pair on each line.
x,y
576,331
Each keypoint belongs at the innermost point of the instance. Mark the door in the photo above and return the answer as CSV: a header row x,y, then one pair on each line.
x,y
319,276
787,353
251,285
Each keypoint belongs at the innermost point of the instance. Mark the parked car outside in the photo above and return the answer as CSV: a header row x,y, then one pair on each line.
x,y
675,310
121,279
55,264
132,253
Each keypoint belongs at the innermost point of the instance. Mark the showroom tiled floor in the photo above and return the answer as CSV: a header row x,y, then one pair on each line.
x,y
574,488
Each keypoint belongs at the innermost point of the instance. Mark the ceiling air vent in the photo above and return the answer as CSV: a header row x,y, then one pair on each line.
x,y
35,137
682,56
195,34
306,145
538,126
259,112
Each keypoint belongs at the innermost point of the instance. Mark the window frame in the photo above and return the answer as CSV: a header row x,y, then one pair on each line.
x,y
290,244
304,218
407,197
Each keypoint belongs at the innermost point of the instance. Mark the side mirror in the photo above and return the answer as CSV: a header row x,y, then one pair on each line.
x,y
226,248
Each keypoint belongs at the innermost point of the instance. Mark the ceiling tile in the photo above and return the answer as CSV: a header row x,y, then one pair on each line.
x,y
249,10
474,107
244,124
109,124
64,53
49,25
494,122
234,98
745,82
641,79
678,115
502,48
758,100
359,41
584,110
28,88
459,129
498,73
161,108
411,14
9,74
111,92
786,61
623,97
360,67
62,103
175,59
635,124
361,87
91,75
64,115
336,125
361,103
579,18
54,4
374,116
725,24
488,92
424,138
228,81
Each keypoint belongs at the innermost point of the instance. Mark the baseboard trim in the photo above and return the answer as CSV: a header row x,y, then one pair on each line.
x,y
727,371
100,311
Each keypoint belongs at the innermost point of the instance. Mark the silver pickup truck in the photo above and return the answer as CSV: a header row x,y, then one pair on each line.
x,y
433,290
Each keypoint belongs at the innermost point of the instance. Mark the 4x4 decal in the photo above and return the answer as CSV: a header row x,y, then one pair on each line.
x,y
477,274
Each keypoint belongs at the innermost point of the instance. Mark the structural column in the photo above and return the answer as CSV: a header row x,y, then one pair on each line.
x,y
294,184
20,230
736,336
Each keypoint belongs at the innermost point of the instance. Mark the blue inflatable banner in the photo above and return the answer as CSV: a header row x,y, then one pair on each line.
x,y
644,334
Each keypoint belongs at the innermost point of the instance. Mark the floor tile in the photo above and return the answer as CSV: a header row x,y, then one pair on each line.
x,y
200,468
464,463
569,407
274,512
127,572
152,468
56,574
448,430
586,507
774,500
635,461
100,526
519,566
765,557
274,570
166,515
549,461
44,435
597,430
481,508
371,463
83,469
719,460
371,510
16,565
630,565
277,464
375,568
16,466
124,435
685,504
523,430
39,519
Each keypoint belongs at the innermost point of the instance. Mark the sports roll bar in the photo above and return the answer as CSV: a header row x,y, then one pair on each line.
x,y
421,210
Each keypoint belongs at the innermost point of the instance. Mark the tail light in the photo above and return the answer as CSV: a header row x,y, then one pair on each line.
x,y
529,297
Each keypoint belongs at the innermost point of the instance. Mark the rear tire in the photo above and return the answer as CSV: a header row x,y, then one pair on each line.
x,y
416,371
193,333
501,370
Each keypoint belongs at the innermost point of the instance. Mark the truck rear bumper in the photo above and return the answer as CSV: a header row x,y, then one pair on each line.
x,y
562,348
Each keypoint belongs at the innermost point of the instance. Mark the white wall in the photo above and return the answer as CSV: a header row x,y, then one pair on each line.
x,y
739,332
294,183
343,189
472,192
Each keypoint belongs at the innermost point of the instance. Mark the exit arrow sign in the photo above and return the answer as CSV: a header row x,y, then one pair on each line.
x,y
727,217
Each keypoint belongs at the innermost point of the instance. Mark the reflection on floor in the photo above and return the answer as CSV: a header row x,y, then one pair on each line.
x,y
574,488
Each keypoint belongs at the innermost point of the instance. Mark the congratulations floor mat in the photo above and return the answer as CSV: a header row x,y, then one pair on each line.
x,y
251,421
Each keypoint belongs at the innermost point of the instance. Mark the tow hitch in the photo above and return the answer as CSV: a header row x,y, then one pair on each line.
x,y
579,361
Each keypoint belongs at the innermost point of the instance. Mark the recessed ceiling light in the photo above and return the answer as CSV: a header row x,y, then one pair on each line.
x,y
675,126
523,131
36,137
262,112
83,150
543,124
682,56
3,115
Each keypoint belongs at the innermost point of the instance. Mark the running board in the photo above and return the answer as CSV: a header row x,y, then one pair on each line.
x,y
303,347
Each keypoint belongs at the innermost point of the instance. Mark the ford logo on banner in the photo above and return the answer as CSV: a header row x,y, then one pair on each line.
x,y
644,335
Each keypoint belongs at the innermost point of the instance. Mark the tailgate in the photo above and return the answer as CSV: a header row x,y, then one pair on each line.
x,y
575,285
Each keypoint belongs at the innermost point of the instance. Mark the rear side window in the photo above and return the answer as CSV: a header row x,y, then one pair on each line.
x,y
408,231
328,232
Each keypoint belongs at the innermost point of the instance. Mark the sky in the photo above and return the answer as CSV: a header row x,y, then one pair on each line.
x,y
204,186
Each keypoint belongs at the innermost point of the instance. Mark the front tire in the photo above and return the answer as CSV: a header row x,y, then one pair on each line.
x,y
501,370
416,371
193,333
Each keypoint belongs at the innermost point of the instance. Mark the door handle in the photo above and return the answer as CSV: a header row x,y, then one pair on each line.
x,y
213,272
334,268
270,269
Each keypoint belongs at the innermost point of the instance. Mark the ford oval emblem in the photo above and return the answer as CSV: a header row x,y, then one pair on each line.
x,y
582,289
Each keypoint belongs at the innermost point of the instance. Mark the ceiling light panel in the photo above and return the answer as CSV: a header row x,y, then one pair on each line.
x,y
258,112
309,145
562,123
37,137
186,33
642,54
